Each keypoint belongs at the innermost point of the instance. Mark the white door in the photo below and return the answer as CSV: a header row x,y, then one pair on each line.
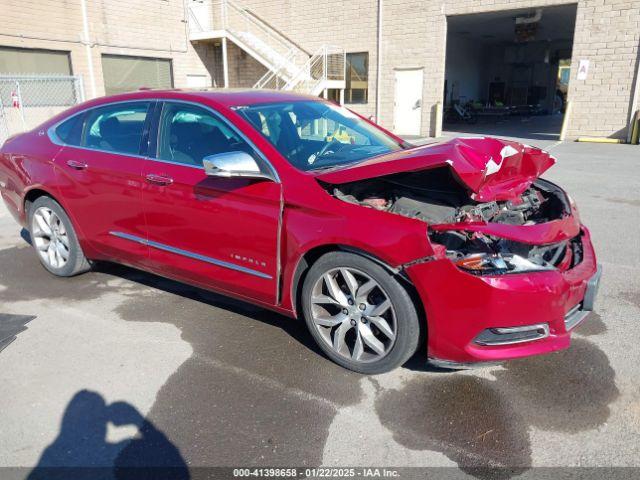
x,y
201,15
408,102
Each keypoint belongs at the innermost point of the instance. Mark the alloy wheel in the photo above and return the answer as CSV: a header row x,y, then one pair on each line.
x,y
353,314
50,237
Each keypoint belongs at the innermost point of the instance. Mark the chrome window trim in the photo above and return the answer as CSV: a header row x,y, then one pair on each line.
x,y
194,256
169,162
51,133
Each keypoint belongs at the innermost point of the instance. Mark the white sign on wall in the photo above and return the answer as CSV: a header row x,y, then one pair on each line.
x,y
583,69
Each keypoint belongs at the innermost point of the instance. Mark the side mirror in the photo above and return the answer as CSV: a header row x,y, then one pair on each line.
x,y
232,164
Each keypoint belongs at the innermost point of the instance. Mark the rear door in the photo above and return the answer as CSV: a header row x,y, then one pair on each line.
x,y
218,232
100,171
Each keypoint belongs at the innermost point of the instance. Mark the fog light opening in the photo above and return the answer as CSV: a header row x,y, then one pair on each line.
x,y
512,335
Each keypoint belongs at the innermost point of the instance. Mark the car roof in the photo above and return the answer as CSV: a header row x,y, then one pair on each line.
x,y
226,97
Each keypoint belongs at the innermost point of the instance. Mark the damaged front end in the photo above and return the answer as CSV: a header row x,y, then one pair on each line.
x,y
528,225
487,216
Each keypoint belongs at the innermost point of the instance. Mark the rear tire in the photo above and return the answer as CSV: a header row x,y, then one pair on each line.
x,y
359,314
54,239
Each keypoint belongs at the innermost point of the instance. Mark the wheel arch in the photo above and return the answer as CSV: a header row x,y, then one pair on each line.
x,y
38,191
308,258
33,194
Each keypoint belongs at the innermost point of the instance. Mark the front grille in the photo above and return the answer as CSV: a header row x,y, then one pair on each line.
x,y
576,250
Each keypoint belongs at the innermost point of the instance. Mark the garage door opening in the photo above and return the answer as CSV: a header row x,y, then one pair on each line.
x,y
507,72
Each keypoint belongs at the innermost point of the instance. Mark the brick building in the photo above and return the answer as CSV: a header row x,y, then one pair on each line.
x,y
403,57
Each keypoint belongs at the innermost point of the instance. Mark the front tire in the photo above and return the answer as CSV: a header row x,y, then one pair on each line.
x,y
54,239
360,315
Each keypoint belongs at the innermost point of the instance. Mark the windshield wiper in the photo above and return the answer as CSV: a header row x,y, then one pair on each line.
x,y
325,167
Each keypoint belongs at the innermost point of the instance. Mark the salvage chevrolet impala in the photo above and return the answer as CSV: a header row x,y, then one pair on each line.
x,y
303,207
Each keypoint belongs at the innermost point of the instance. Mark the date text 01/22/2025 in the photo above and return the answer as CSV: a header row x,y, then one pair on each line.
x,y
328,472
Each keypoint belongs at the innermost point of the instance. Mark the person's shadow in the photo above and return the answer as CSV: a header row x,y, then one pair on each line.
x,y
81,450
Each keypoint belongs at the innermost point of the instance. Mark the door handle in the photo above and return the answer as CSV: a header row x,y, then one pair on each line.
x,y
159,179
77,165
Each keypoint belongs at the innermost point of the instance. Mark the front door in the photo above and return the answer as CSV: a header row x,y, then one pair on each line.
x,y
219,232
100,168
408,102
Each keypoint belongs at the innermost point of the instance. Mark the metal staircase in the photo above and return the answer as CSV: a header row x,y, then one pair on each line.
x,y
289,66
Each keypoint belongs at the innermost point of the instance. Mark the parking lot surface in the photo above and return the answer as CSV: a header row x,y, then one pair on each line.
x,y
120,367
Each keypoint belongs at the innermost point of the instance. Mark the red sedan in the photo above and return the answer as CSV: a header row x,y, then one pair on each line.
x,y
303,207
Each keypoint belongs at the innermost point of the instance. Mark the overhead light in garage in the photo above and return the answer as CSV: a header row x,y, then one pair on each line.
x,y
526,27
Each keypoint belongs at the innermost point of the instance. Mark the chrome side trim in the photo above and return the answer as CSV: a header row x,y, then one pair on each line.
x,y
194,256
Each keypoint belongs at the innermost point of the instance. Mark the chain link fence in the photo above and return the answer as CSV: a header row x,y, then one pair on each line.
x,y
28,100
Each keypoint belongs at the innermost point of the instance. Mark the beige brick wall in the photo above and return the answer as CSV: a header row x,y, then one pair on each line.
x,y
414,35
244,70
607,34
146,28
350,25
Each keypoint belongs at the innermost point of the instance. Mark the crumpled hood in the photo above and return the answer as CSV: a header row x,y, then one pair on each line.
x,y
490,168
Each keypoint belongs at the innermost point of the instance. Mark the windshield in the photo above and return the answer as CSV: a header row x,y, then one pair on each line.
x,y
316,135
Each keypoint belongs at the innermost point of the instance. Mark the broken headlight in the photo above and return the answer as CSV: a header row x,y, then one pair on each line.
x,y
486,255
496,264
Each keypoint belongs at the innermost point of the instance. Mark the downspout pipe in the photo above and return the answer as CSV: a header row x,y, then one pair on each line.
x,y
378,61
635,99
87,45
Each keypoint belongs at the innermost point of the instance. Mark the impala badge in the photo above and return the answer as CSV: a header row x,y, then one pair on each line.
x,y
252,261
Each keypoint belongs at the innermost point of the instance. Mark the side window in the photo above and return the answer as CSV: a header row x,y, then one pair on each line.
x,y
116,128
189,133
70,131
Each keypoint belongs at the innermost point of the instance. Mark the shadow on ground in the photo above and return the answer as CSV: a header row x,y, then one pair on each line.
x,y
11,326
482,424
82,450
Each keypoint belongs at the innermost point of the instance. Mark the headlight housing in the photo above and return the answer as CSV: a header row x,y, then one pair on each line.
x,y
497,264
481,254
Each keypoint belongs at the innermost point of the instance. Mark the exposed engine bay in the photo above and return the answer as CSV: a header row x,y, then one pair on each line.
x,y
437,198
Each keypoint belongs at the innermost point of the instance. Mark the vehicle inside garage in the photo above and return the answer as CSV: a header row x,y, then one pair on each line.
x,y
507,72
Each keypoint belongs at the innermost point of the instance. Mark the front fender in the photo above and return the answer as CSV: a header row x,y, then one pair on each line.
x,y
390,239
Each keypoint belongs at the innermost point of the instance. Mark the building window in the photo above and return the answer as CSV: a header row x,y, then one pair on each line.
x,y
125,74
28,61
357,81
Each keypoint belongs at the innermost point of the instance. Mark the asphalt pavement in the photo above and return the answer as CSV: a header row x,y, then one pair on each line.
x,y
120,367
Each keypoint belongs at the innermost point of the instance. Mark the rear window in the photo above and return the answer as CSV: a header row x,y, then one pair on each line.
x,y
70,131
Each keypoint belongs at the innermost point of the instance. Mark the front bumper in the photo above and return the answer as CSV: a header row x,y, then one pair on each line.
x,y
460,306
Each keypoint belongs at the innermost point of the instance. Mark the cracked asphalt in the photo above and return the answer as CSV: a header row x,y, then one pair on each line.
x,y
119,367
